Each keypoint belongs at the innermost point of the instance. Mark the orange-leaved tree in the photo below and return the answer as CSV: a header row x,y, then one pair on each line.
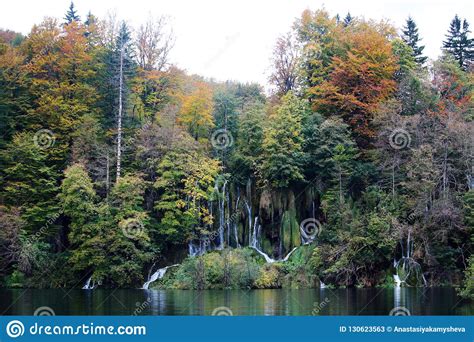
x,y
359,76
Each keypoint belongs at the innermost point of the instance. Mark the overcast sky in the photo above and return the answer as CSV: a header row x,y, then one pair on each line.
x,y
233,39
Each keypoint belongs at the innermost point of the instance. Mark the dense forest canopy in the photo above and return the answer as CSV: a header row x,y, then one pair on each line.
x,y
114,162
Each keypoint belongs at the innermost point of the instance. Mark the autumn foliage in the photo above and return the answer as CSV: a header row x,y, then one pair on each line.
x,y
358,75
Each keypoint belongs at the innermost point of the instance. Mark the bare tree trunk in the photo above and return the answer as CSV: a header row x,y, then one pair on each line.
x,y
119,120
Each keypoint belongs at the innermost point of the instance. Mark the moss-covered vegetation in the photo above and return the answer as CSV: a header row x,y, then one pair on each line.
x,y
243,269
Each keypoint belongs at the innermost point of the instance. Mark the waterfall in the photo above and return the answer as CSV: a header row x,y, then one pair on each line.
x,y
270,260
255,244
159,274
196,250
232,223
249,217
236,219
255,234
288,255
397,280
248,205
87,285
221,199
405,267
306,238
265,255
254,237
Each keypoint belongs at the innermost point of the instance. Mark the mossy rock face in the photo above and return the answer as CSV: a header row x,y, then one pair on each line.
x,y
290,230
410,271
266,245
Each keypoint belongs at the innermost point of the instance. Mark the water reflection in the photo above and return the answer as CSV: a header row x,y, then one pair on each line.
x,y
419,301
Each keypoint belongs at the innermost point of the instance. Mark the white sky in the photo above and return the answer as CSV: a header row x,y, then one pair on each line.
x,y
234,39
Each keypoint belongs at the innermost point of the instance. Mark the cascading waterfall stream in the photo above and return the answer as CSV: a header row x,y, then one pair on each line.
x,y
255,244
407,265
199,247
221,211
249,218
159,274
88,285
236,223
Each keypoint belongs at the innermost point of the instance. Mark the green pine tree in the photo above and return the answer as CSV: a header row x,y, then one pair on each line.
x,y
282,143
411,38
71,14
30,181
458,43
347,19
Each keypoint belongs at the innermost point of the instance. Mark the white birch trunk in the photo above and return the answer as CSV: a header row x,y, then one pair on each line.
x,y
119,119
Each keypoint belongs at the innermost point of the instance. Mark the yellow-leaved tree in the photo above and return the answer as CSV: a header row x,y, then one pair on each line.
x,y
196,111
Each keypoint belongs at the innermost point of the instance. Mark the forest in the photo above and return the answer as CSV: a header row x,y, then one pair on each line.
x,y
354,170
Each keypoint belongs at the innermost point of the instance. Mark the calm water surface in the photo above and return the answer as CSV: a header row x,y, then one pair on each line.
x,y
430,301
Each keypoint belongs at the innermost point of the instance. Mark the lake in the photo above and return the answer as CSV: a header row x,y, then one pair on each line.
x,y
374,301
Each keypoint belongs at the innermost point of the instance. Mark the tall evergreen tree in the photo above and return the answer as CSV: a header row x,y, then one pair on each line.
x,y
458,43
282,143
71,14
348,19
411,38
